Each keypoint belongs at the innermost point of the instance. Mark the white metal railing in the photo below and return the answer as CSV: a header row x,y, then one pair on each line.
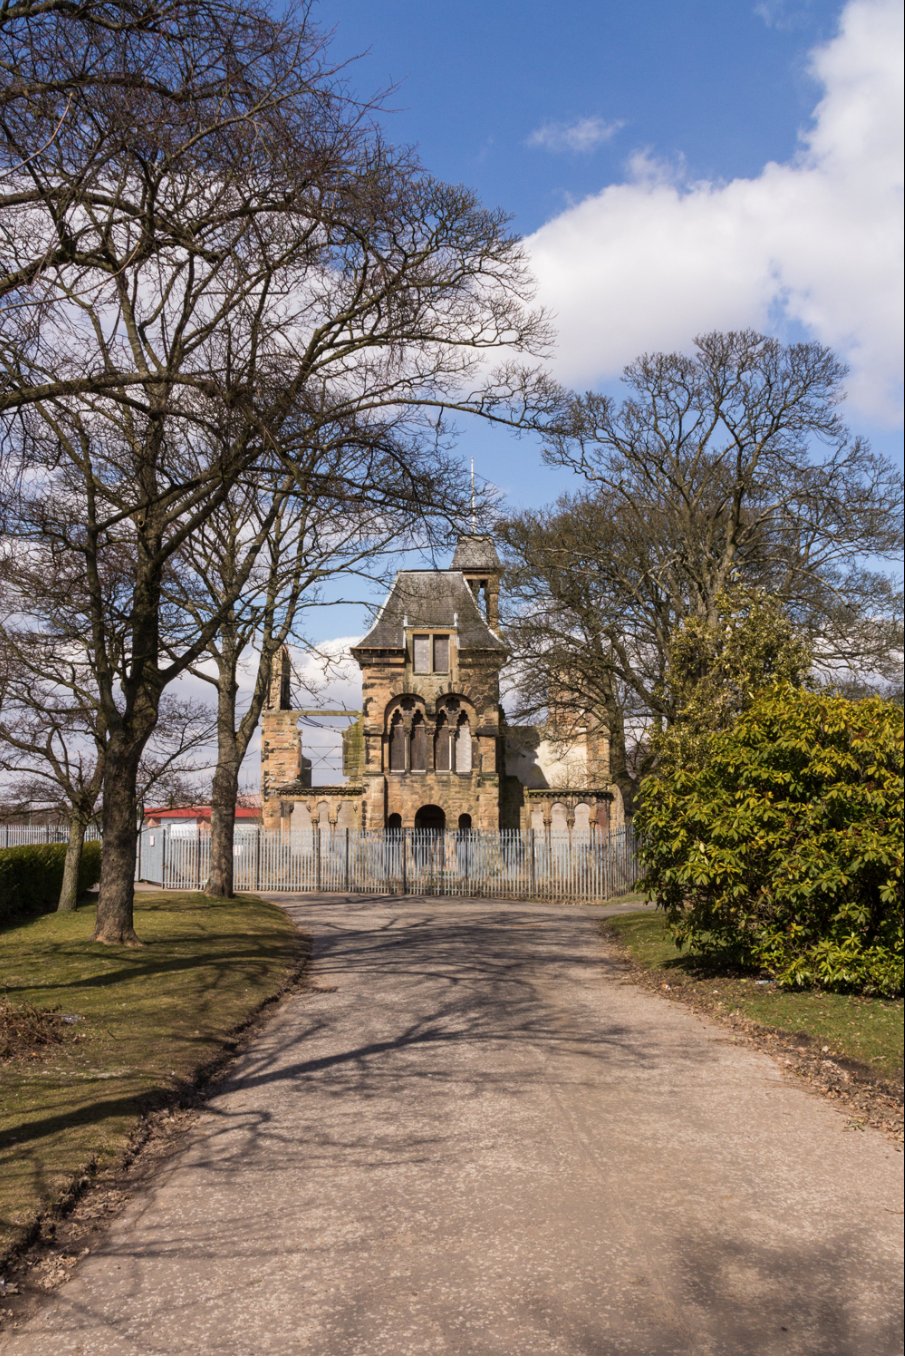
x,y
577,866
13,835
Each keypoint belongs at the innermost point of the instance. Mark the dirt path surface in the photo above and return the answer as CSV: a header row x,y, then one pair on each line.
x,y
473,1136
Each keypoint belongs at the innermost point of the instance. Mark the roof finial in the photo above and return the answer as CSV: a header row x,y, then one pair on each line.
x,y
474,517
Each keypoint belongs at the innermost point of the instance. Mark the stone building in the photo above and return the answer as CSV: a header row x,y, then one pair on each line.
x,y
431,748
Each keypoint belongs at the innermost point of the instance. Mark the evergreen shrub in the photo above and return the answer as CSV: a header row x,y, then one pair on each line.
x,y
31,876
781,846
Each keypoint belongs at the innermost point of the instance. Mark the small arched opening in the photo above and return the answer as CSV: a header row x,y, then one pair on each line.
x,y
394,821
418,745
300,820
462,759
465,821
398,745
443,757
559,823
430,817
347,816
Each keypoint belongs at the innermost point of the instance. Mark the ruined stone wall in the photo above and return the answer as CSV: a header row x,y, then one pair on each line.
x,y
281,761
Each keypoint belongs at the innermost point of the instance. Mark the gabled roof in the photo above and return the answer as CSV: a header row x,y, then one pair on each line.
x,y
431,599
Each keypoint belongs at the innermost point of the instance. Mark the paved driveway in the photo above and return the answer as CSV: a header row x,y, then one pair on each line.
x,y
475,1137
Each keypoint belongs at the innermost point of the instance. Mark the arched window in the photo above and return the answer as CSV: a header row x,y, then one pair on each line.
x,y
443,745
418,746
346,818
463,746
398,760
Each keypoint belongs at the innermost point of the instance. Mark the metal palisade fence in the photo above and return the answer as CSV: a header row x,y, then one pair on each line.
x,y
532,865
13,835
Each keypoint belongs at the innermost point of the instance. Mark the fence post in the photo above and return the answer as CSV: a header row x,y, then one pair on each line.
x,y
533,864
317,858
163,856
347,880
404,834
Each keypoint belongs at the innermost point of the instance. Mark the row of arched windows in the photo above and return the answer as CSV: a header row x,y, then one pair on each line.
x,y
449,744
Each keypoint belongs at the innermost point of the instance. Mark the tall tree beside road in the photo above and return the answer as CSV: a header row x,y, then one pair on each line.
x,y
730,466
312,539
212,260
52,736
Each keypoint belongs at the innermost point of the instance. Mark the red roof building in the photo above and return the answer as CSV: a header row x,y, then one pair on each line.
x,y
194,818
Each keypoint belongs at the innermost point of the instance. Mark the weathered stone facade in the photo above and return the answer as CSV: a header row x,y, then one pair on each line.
x,y
431,748
282,764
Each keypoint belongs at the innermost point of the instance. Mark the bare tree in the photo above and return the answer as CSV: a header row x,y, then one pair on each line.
x,y
52,738
309,540
730,466
231,264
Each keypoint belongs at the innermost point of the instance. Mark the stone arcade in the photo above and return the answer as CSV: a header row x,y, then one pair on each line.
x,y
431,748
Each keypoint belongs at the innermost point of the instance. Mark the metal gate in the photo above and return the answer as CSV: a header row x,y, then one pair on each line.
x,y
576,866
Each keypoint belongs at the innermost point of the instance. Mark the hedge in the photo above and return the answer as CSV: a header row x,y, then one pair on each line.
x,y
31,876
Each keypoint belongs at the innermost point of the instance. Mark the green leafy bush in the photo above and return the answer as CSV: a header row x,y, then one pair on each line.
x,y
781,848
31,876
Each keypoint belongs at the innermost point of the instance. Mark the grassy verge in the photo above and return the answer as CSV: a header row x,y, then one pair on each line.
x,y
848,1028
136,1025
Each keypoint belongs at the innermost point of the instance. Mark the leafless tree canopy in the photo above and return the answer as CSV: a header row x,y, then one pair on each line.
x,y
211,261
730,465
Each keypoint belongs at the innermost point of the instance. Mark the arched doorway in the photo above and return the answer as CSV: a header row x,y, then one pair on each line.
x,y
394,821
430,818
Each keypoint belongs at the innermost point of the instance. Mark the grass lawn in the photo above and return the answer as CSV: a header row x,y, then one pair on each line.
x,y
143,1021
853,1027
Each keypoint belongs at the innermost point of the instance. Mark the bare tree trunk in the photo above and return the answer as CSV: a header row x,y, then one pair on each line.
x,y
69,891
232,744
223,819
115,904
619,770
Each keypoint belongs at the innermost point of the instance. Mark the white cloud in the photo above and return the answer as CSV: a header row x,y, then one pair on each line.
x,y
584,135
812,243
323,676
783,14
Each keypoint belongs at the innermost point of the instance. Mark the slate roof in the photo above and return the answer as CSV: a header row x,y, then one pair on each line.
x,y
431,599
475,552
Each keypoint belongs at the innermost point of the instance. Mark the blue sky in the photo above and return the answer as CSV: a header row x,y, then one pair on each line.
x,y
712,81
675,166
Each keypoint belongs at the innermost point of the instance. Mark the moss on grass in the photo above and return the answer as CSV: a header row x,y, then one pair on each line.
x,y
142,1021
853,1027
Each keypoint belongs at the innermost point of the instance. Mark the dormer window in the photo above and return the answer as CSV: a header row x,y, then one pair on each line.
x,y
430,653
